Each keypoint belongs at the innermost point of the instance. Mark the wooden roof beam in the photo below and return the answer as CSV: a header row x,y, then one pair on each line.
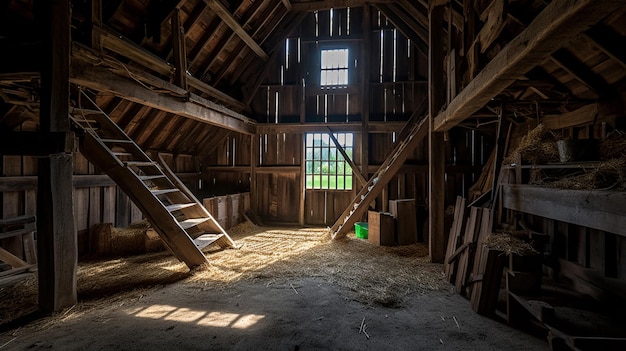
x,y
287,4
198,109
609,42
333,4
556,25
579,70
228,18
405,24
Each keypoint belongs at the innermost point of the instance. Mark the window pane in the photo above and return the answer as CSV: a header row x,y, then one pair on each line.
x,y
325,167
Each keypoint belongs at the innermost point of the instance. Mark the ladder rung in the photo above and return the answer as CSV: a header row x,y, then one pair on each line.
x,y
150,177
188,223
206,239
86,111
117,141
122,154
140,163
178,207
81,120
163,191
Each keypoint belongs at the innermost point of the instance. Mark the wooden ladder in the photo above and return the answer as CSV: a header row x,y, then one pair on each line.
x,y
412,133
184,225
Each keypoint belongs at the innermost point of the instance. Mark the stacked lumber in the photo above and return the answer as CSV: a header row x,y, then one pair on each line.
x,y
449,264
465,234
485,180
16,266
473,268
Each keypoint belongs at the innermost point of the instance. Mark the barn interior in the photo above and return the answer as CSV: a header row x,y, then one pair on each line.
x,y
286,174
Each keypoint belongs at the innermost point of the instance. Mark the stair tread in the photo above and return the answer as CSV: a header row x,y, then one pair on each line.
x,y
122,154
177,207
150,177
206,239
124,141
164,191
86,111
140,163
188,223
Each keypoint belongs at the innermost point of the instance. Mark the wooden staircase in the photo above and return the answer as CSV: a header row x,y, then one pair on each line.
x,y
412,133
181,221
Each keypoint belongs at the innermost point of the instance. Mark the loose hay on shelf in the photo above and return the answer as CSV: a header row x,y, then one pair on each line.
x,y
537,147
510,244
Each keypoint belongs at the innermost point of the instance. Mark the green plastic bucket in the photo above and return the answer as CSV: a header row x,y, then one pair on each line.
x,y
361,230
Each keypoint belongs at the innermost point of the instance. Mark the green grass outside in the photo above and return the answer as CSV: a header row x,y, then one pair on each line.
x,y
323,182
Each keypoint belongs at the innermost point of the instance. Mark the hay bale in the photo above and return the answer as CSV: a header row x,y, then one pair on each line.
x,y
130,240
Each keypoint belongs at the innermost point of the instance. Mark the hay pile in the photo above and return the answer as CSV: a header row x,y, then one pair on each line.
x,y
537,147
509,244
610,174
613,146
371,274
273,256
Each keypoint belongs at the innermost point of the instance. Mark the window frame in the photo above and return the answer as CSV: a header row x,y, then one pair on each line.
x,y
329,171
340,67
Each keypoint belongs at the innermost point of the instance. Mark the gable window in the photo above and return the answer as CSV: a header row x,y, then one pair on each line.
x,y
325,166
334,68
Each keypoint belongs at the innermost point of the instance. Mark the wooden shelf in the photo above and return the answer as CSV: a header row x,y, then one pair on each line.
x,y
562,165
596,209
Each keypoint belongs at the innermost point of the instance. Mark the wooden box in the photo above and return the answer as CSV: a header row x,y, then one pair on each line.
x,y
381,228
405,215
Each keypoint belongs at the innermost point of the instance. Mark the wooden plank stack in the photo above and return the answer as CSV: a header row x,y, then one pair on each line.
x,y
17,265
453,241
474,269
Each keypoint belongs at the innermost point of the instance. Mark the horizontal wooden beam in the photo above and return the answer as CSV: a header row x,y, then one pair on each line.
x,y
355,127
229,169
197,108
21,183
333,4
36,143
584,115
596,209
278,169
554,27
136,53
230,21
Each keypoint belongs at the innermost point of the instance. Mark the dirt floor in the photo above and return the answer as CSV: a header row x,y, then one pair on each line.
x,y
285,289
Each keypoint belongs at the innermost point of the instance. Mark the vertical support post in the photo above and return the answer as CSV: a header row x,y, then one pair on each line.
x,y
254,158
180,52
365,90
436,144
302,214
96,23
56,230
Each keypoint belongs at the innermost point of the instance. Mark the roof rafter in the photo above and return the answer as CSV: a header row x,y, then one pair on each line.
x,y
556,25
333,4
101,79
406,26
228,18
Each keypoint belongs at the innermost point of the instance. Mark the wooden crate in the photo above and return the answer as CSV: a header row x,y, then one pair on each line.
x,y
381,228
406,223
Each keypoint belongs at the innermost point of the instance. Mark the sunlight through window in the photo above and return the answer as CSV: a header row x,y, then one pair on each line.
x,y
334,73
201,318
